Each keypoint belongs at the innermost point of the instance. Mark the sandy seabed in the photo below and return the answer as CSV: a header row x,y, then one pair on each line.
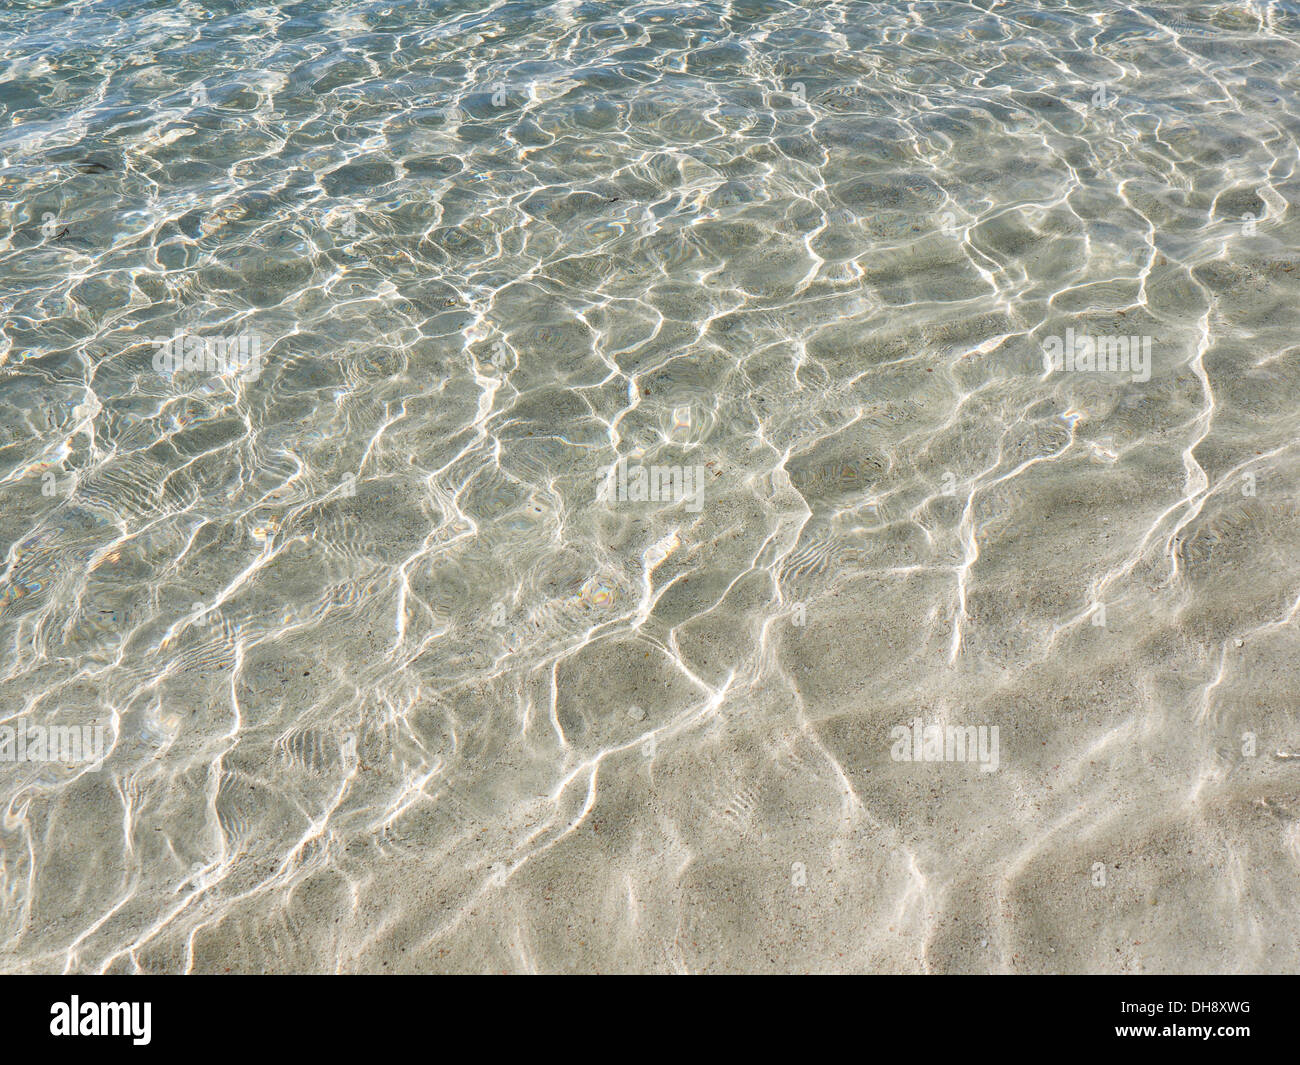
x,y
394,682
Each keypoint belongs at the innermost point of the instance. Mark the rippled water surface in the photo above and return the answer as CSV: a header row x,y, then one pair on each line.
x,y
396,672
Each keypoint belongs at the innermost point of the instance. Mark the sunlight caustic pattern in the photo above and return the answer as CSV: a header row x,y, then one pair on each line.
x,y
496,474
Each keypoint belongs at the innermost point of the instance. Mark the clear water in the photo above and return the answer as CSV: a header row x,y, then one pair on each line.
x,y
394,674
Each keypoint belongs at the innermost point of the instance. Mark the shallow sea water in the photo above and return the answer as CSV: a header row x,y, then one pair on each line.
x,y
396,673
